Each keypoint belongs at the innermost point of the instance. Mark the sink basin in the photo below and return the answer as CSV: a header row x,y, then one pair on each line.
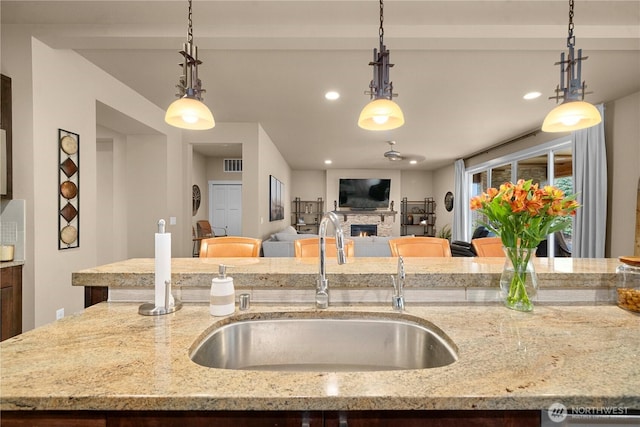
x,y
331,342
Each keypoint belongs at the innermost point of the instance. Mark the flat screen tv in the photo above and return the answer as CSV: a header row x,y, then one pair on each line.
x,y
365,194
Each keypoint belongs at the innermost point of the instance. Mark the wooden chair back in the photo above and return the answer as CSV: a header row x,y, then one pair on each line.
x,y
230,246
488,247
309,247
420,247
204,228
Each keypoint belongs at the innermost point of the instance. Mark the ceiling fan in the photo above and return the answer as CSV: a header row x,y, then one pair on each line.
x,y
392,154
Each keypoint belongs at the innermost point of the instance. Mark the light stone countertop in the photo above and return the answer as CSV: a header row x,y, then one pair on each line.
x,y
110,358
277,273
7,264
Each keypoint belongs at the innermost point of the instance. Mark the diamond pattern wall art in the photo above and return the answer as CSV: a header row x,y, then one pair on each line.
x,y
68,189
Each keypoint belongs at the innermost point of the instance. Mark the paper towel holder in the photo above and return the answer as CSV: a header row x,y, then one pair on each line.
x,y
150,309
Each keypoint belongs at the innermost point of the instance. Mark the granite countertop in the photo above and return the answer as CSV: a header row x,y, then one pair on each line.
x,y
7,264
110,358
276,273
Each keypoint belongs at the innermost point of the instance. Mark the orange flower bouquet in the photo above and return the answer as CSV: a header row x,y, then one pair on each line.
x,y
523,215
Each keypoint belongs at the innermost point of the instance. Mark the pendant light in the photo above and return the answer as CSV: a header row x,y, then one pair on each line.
x,y
573,113
188,111
381,113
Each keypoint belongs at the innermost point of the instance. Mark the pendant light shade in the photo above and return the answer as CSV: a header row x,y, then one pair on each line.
x,y
570,116
573,113
381,114
189,113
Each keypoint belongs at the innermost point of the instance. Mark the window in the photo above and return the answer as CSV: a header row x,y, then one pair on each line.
x,y
550,163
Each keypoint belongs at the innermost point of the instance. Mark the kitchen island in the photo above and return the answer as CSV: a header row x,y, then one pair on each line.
x,y
109,360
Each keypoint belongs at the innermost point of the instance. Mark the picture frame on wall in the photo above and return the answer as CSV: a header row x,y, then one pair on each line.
x,y
276,205
68,189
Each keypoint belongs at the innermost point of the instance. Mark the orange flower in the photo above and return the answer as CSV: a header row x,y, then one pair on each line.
x,y
524,214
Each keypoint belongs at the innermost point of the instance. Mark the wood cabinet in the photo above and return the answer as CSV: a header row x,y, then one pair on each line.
x,y
6,162
273,419
306,214
95,294
418,217
10,301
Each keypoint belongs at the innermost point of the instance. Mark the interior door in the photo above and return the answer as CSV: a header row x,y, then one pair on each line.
x,y
225,207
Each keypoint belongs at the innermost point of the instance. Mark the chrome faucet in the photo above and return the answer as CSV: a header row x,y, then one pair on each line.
x,y
397,300
322,284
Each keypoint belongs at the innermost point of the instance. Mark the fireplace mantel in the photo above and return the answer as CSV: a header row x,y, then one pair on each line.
x,y
385,228
382,214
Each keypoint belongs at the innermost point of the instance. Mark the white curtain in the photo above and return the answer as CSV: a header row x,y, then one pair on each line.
x,y
590,172
460,203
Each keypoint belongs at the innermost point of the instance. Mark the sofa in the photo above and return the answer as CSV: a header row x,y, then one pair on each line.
x,y
281,244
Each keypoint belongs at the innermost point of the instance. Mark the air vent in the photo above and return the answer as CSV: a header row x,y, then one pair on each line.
x,y
233,165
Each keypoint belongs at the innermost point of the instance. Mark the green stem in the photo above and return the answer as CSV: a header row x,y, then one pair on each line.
x,y
519,258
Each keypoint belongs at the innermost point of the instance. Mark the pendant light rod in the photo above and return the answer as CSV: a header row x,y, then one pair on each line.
x,y
381,113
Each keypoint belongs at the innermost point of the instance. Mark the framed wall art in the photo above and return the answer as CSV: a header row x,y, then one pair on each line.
x,y
276,192
68,189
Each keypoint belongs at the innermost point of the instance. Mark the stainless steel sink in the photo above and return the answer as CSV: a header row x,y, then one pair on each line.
x,y
325,342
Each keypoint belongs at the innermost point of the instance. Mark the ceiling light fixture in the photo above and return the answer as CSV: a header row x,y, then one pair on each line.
x,y
381,113
392,154
573,113
531,95
332,95
189,112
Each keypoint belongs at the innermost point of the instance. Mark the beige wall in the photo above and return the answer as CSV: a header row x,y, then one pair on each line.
x,y
395,195
443,181
260,158
271,162
199,178
309,185
622,134
43,77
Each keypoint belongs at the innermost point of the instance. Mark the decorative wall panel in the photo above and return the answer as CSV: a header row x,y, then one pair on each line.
x,y
68,189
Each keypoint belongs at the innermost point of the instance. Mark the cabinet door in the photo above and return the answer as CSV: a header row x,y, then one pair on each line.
x,y
433,419
10,302
217,419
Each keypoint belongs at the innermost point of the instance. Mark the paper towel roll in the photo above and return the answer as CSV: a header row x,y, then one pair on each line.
x,y
163,267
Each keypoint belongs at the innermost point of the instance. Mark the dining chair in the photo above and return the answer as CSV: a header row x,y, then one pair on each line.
x,y
309,247
205,229
420,247
488,247
230,246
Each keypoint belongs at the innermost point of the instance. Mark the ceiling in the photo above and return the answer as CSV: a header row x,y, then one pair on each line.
x,y
461,67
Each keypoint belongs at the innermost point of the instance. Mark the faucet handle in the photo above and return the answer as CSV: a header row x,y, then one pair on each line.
x,y
398,303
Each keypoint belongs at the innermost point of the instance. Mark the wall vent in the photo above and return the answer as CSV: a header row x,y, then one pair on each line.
x,y
233,165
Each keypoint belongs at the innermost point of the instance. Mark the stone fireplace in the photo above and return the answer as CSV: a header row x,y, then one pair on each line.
x,y
363,230
382,221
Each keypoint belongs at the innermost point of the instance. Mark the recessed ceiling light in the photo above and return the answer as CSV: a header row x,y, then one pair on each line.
x,y
327,162
413,162
531,95
332,95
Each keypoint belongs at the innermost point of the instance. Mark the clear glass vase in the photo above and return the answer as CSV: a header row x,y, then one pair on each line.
x,y
518,282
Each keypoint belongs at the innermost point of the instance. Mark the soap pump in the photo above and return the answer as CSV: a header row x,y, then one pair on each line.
x,y
222,300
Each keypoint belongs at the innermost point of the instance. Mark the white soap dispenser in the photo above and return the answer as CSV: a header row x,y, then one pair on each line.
x,y
222,301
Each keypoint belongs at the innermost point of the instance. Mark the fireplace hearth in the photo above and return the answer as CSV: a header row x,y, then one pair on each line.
x,y
362,230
